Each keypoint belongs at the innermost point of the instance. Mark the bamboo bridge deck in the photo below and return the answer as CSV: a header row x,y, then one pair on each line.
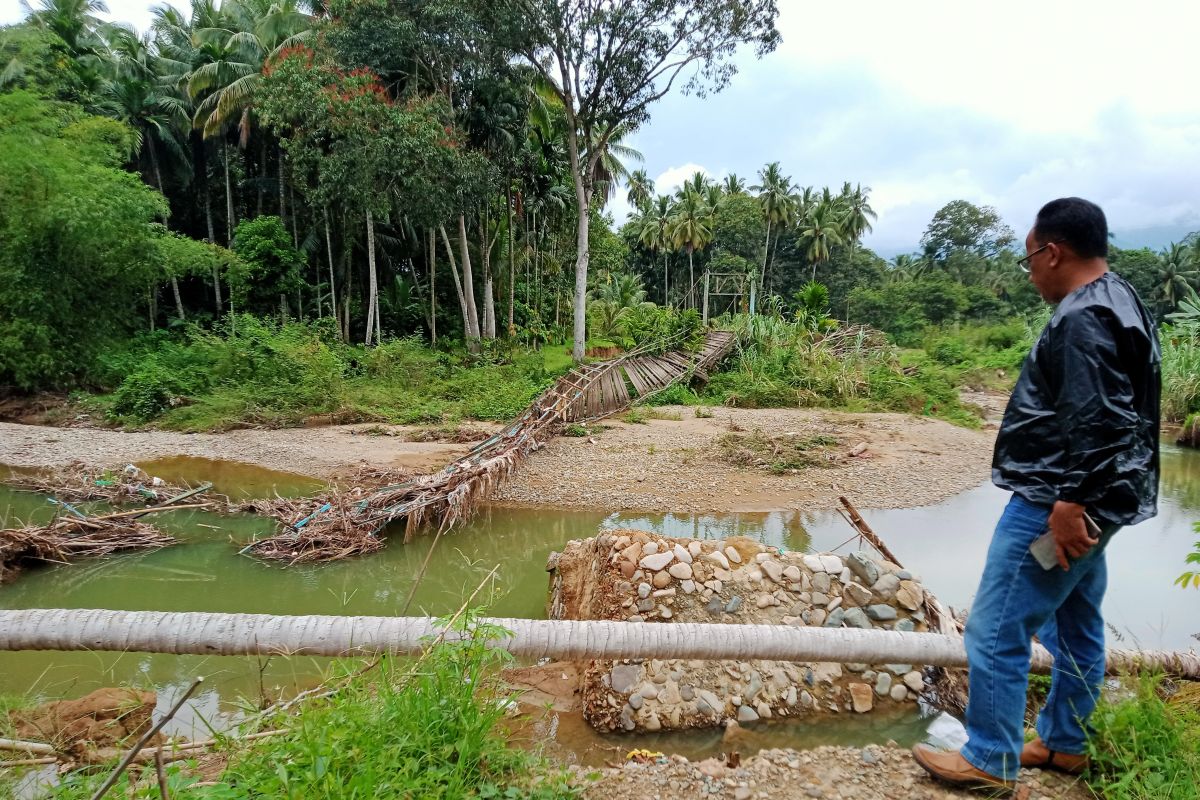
x,y
336,527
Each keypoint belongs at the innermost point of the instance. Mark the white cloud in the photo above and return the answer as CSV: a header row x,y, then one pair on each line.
x,y
672,178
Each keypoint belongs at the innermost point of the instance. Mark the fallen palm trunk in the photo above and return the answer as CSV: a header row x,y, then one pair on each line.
x,y
334,527
263,634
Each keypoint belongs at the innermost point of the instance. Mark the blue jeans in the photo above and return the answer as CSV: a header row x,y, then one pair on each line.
x,y
1016,599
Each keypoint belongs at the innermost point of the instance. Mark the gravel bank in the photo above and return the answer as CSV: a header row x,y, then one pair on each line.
x,y
826,773
669,465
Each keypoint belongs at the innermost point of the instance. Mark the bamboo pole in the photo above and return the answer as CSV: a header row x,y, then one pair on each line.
x,y
20,746
261,634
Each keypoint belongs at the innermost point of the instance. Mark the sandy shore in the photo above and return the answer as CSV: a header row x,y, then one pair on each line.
x,y
662,465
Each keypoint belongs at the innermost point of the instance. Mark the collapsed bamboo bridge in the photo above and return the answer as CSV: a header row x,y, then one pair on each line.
x,y
335,528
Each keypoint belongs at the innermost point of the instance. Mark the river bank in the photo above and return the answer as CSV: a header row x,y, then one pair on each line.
x,y
672,462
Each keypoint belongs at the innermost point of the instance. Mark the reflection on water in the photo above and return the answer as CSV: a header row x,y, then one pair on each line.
x,y
233,478
945,544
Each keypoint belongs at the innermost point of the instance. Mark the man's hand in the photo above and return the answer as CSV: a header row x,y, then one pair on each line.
x,y
1070,533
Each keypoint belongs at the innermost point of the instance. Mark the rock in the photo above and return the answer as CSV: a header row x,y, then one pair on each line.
x,y
814,564
712,768
819,599
636,701
656,561
649,548
635,618
763,710
694,548
627,722
856,594
883,684
774,571
648,690
734,605
687,693
817,617
792,574
862,699
910,595
682,554
652,723
821,582
722,574
898,669
733,555
709,703
668,694
806,699
742,793
904,575
886,586
643,590
632,553
789,696
881,612
832,564
915,682
765,600
835,603
899,693
718,558
681,571
862,566
661,580
668,592
624,677
747,714
665,612
855,618
753,687
905,625
688,586
627,569
869,757
835,618
715,606
645,604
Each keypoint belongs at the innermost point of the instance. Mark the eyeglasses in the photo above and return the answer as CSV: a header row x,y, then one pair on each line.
x,y
1024,262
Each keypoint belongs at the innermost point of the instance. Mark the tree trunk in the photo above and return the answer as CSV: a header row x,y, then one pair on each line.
x,y
152,305
282,208
373,284
767,250
583,197
178,298
432,288
512,266
468,335
230,222
262,174
468,285
214,633
329,252
666,283
489,294
691,281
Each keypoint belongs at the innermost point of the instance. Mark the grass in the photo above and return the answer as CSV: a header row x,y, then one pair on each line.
x,y
432,729
1144,748
776,454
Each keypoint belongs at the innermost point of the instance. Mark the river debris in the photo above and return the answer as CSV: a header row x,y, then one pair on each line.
x,y
77,482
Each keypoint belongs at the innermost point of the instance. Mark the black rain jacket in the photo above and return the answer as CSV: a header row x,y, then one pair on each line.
x,y
1082,422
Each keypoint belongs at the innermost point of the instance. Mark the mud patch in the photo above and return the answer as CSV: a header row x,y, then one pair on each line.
x,y
103,719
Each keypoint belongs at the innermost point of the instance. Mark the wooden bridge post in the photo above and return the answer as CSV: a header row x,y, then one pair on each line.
x,y
753,295
705,315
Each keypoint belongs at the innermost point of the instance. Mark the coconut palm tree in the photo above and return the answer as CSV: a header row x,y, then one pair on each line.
x,y
733,184
76,23
653,234
774,195
1177,275
611,168
820,231
691,229
641,189
858,213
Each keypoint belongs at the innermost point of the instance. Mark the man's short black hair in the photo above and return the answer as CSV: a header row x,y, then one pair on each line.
x,y
1076,222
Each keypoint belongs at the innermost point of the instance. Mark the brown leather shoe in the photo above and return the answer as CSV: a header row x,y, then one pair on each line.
x,y
1035,755
951,768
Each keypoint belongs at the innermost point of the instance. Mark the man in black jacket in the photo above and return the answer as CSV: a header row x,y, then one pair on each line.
x,y
1080,436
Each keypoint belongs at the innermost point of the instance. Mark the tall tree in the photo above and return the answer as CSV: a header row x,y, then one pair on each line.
x,y
859,213
819,232
691,230
641,189
1177,276
774,195
608,62
960,225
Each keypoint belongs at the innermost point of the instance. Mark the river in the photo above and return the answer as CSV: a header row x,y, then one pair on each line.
x,y
944,543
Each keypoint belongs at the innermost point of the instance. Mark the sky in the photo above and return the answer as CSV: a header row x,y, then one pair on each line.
x,y
1008,105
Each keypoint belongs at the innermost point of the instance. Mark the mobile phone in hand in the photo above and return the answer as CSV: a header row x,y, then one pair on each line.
x,y
1044,550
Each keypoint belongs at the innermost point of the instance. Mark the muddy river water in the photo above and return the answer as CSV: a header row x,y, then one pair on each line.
x,y
945,544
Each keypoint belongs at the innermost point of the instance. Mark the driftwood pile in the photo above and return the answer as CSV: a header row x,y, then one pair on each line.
x,y
77,482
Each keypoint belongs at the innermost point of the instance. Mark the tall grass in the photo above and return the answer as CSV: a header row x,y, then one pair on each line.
x,y
1180,374
430,730
1143,748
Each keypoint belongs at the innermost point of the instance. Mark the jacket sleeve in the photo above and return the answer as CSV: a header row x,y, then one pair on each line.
x,y
1094,402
